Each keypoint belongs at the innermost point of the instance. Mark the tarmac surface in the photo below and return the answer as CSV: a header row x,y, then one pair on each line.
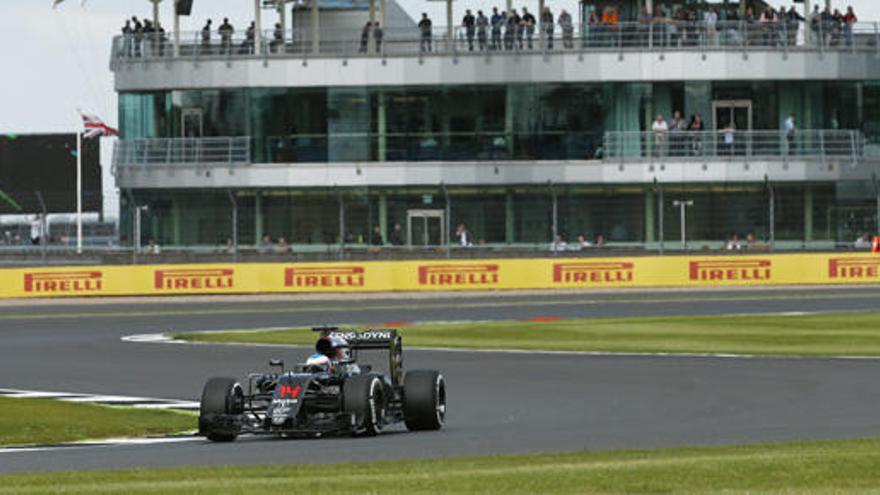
x,y
499,403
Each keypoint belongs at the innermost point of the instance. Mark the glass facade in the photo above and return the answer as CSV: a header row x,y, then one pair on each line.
x,y
486,122
804,215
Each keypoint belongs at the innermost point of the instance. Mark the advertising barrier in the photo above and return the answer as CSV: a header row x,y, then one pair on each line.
x,y
386,276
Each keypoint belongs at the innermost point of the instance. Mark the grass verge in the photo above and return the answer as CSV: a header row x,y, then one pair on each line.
x,y
812,467
25,422
840,334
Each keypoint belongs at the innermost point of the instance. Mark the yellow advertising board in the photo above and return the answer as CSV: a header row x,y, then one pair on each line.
x,y
490,274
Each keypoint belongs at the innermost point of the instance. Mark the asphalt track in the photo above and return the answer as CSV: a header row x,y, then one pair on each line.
x,y
498,402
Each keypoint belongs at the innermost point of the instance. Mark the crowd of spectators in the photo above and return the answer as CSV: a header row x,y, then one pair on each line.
x,y
680,25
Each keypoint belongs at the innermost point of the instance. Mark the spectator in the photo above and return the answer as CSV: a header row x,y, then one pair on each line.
x,y
482,30
396,236
377,36
733,244
558,244
138,30
659,128
127,39
281,247
206,37
365,37
277,42
469,23
250,38
645,21
37,227
790,133
794,20
583,242
677,126
229,248
711,21
600,241
567,27
497,21
547,28
849,20
826,23
153,248
814,21
226,31
265,244
511,25
863,242
695,126
463,236
528,24
425,29
729,136
376,237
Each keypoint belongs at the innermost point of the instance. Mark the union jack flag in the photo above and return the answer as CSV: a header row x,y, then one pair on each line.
x,y
95,127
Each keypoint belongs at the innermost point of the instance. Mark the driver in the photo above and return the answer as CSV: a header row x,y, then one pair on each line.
x,y
318,363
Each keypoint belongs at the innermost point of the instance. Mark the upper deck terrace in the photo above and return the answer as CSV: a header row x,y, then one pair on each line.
x,y
738,50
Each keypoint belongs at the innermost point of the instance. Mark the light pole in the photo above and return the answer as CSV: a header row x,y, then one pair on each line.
x,y
683,205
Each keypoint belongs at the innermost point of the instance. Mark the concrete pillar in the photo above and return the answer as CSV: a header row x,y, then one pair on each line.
x,y
509,220
258,26
808,213
382,8
807,8
316,26
383,215
381,125
449,34
176,33
258,218
508,120
282,19
156,12
650,215
649,6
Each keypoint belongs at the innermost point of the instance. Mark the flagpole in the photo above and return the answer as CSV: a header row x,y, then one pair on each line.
x,y
79,217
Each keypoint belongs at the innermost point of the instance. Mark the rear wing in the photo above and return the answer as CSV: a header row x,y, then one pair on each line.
x,y
373,339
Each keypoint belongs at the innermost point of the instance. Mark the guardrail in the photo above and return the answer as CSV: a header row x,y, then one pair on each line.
x,y
813,145
658,35
230,151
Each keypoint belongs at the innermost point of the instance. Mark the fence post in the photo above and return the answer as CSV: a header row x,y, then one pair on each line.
x,y
772,193
234,224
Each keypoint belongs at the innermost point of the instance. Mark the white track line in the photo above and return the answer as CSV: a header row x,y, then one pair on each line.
x,y
113,442
120,400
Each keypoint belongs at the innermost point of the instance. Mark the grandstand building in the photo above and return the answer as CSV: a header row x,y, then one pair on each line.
x,y
319,135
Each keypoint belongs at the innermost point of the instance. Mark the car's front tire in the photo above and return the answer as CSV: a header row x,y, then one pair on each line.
x,y
424,400
365,397
222,403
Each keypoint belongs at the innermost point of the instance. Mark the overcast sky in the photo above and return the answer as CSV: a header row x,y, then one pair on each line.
x,y
56,61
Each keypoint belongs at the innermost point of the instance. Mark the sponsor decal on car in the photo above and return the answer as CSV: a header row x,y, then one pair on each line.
x,y
371,335
854,268
289,391
195,279
727,270
324,276
458,275
63,282
592,272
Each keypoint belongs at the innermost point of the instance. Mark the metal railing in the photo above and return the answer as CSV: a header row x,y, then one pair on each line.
x,y
812,145
172,151
659,35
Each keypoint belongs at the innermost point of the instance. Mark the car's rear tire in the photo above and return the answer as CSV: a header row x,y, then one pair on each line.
x,y
424,400
222,398
365,397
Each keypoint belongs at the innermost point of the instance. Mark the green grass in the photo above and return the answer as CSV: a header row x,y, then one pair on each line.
x,y
44,421
851,466
842,334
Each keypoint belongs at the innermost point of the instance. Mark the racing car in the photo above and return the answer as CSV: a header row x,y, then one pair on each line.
x,y
330,394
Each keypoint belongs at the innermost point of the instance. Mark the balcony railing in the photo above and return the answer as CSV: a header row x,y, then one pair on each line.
x,y
660,36
728,145
219,151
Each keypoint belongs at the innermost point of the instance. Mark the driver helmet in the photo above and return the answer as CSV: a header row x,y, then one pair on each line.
x,y
319,362
335,348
